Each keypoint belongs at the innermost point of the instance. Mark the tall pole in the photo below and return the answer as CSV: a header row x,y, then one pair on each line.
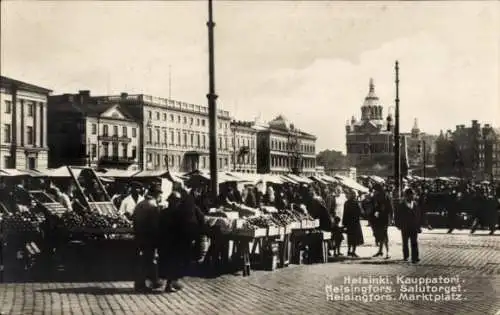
x,y
397,155
212,106
425,159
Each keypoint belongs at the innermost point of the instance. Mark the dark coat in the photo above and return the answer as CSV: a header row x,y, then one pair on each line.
x,y
317,209
351,222
382,205
145,219
408,219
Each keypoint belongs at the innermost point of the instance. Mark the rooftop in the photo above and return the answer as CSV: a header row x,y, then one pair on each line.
x,y
9,82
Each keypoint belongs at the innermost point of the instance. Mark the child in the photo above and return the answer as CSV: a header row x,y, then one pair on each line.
x,y
338,236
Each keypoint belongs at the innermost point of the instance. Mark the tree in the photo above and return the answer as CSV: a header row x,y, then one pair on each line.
x,y
331,159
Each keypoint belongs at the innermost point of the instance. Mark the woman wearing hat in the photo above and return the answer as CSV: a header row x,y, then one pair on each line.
x,y
351,221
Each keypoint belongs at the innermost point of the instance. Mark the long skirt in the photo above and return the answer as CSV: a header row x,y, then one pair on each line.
x,y
355,235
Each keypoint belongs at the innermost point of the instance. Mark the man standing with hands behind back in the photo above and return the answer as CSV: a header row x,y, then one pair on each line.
x,y
408,220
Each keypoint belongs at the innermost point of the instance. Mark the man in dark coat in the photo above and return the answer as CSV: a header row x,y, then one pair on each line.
x,y
455,206
408,220
145,220
380,219
181,225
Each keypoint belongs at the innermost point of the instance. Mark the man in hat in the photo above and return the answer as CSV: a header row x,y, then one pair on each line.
x,y
130,202
408,220
145,220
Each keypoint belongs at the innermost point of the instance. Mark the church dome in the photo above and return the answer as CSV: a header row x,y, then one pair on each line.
x,y
280,122
371,99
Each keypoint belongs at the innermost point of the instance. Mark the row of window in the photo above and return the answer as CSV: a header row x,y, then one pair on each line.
x,y
181,119
28,139
176,161
192,139
115,150
30,108
286,146
105,130
284,161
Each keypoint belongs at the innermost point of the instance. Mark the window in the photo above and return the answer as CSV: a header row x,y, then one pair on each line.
x,y
197,121
225,143
178,138
124,131
179,119
30,109
185,120
150,135
204,141
220,142
226,162
150,157
172,138
198,141
134,132
150,114
191,121
165,116
105,147
29,135
105,130
203,162
171,117
115,131
220,162
7,134
93,151
165,137
115,149
93,129
134,152
8,107
192,139
6,162
157,115
157,135
203,122
124,150
185,139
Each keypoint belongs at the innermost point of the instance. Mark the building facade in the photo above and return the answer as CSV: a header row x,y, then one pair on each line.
x,y
173,135
370,140
282,149
23,121
243,147
84,131
421,148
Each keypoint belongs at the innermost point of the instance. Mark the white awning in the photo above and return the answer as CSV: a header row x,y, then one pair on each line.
x,y
352,184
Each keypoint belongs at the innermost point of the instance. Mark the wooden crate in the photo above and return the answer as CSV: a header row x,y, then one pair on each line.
x,y
273,231
261,232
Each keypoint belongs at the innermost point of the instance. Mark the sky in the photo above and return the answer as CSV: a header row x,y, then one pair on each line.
x,y
310,61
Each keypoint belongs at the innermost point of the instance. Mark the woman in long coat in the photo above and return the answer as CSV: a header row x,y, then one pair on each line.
x,y
351,222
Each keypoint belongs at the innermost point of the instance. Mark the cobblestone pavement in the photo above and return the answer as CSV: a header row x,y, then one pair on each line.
x,y
474,259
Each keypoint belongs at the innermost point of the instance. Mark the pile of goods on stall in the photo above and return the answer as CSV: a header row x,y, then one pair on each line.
x,y
21,222
93,221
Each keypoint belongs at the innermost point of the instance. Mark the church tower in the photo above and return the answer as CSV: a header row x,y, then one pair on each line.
x,y
371,109
415,131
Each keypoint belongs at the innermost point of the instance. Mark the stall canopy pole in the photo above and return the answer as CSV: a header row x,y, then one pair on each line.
x,y
212,105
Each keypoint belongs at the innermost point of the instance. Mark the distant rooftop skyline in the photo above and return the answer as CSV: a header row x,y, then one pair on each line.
x,y
310,61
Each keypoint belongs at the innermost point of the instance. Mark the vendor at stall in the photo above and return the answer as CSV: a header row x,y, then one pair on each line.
x,y
133,198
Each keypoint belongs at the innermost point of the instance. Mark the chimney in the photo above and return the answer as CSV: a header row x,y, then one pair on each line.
x,y
83,96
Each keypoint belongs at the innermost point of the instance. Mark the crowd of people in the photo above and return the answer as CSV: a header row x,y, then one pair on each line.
x,y
168,229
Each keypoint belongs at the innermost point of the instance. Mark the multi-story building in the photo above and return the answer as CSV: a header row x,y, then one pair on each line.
x,y
174,135
370,141
466,152
420,143
243,147
282,148
491,152
23,121
84,131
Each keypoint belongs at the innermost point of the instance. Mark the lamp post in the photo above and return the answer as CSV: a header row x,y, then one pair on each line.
x,y
397,148
212,105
